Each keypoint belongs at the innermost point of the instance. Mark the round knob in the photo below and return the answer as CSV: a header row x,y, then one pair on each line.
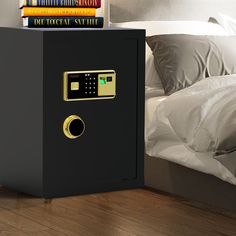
x,y
73,127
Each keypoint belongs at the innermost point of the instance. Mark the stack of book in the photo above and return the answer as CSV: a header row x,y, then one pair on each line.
x,y
61,13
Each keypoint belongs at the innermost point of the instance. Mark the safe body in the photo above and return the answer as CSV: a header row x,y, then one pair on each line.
x,y
36,157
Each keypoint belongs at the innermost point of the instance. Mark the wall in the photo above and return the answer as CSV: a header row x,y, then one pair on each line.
x,y
128,10
10,13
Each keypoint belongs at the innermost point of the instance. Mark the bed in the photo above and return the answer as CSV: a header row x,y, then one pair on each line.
x,y
172,166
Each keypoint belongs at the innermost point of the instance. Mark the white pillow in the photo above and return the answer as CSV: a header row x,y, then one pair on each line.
x,y
168,27
227,22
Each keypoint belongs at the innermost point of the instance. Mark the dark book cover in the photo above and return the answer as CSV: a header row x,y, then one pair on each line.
x,y
63,22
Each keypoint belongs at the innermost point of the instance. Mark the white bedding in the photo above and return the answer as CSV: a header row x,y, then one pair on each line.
x,y
171,148
203,116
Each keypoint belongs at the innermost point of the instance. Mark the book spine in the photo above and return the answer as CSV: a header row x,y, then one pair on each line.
x,y
61,3
64,22
59,11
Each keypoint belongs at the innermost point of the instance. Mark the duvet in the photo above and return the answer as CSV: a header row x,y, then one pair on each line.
x,y
202,116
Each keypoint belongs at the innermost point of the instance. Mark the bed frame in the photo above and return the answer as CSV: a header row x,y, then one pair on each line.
x,y
160,174
178,180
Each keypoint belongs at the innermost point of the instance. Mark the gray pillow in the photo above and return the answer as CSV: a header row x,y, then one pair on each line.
x,y
182,60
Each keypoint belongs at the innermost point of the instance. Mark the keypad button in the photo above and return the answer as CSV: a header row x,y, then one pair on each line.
x,y
109,79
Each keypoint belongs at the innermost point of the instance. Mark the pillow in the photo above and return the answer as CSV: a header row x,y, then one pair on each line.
x,y
182,60
174,27
227,22
168,27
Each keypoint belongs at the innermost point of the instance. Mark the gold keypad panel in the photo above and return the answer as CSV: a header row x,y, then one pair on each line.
x,y
89,85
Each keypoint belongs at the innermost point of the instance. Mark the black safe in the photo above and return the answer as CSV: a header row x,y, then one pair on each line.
x,y
60,136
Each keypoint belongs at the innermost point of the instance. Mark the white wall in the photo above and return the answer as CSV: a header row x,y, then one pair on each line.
x,y
128,10
10,13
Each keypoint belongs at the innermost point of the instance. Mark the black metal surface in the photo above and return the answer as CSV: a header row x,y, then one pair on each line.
x,y
21,102
109,154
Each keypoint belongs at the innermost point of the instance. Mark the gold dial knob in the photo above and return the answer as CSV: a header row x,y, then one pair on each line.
x,y
73,127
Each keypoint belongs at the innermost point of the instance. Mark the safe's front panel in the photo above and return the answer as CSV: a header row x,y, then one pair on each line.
x,y
103,155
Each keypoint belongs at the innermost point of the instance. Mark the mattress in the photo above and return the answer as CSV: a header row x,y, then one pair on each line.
x,y
171,149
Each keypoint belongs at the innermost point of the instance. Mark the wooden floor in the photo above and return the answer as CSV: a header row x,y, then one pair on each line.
x,y
131,212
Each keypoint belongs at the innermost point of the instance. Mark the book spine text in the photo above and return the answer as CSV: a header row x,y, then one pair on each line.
x,y
61,3
64,22
59,11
